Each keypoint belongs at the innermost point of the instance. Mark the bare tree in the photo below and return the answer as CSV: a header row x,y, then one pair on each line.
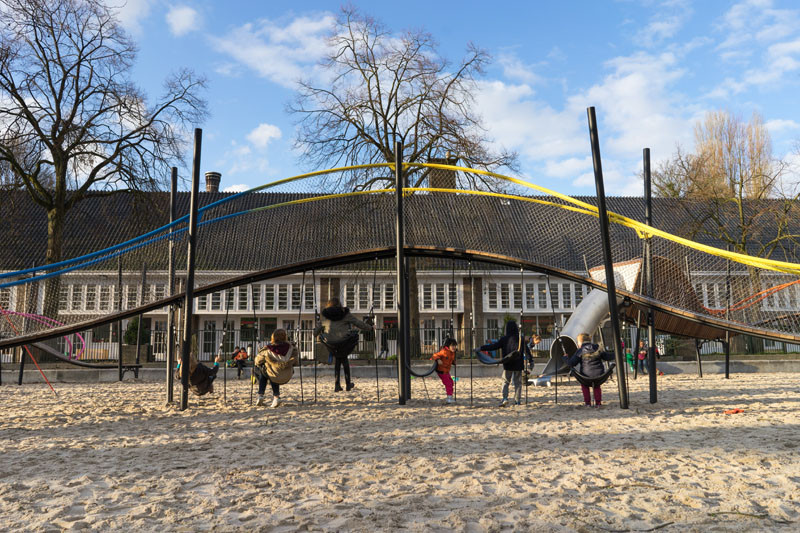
x,y
732,187
74,124
380,87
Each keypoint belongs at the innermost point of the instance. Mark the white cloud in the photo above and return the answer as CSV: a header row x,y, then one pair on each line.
x,y
778,125
667,21
131,13
282,53
239,187
263,134
515,69
182,20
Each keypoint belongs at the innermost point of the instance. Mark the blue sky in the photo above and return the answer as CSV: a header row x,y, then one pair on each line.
x,y
652,69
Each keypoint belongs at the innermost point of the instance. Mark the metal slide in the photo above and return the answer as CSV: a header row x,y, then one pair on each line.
x,y
587,317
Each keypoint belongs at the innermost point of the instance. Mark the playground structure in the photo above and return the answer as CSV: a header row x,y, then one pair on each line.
x,y
517,224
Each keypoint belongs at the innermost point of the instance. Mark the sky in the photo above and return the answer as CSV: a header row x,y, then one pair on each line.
x,y
652,69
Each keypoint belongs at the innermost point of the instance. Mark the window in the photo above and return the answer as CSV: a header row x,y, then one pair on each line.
x,y
376,297
209,336
256,297
309,299
349,295
229,299
578,293
288,325
530,296
269,299
161,291
566,295
517,295
554,294
5,298
283,297
440,287
91,297
145,293
388,296
242,300
63,297
202,303
77,296
363,296
427,297
133,297
504,296
428,331
105,297
453,295
296,296
216,301
492,296
492,329
541,295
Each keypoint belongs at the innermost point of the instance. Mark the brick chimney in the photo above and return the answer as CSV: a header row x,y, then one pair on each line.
x,y
212,181
440,178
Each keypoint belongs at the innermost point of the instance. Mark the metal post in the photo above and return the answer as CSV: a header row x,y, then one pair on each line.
x,y
728,316
697,345
607,259
24,327
119,322
403,376
648,263
188,306
139,324
173,208
471,329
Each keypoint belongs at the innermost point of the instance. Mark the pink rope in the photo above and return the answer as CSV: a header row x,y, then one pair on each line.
x,y
49,322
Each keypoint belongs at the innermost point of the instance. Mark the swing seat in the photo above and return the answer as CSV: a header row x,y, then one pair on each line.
x,y
595,381
487,359
425,374
342,348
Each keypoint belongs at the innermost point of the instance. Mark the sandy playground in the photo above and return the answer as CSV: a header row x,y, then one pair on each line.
x,y
112,457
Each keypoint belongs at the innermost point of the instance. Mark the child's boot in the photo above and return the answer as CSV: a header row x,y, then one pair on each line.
x,y
260,402
449,399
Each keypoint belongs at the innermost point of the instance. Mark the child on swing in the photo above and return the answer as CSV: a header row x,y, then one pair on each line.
x,y
588,359
445,359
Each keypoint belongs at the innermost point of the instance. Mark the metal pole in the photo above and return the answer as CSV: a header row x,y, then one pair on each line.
x,y
24,327
697,350
607,259
403,376
728,316
471,328
697,345
141,302
188,306
648,260
173,208
119,322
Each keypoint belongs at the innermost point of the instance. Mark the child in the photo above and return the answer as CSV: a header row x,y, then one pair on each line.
x,y
445,358
240,359
335,330
514,350
589,360
275,363
631,362
642,355
201,378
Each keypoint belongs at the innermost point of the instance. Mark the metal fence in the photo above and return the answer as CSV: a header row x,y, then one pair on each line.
x,y
380,343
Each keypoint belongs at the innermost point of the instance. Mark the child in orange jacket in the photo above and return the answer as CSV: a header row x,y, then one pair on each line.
x,y
445,358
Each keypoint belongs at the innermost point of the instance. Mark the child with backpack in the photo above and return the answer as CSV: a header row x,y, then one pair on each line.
x,y
588,359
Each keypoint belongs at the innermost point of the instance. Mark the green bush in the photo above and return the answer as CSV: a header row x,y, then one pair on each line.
x,y
130,333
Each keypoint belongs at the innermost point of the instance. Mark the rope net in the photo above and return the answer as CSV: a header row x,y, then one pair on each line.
x,y
285,227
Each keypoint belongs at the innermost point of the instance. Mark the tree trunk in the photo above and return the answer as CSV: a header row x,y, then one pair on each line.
x,y
55,231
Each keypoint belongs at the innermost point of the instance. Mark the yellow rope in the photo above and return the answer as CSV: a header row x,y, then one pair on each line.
x,y
642,230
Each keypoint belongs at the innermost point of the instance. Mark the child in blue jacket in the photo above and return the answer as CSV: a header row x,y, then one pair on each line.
x,y
588,360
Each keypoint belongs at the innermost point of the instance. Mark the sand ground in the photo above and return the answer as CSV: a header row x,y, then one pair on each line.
x,y
113,457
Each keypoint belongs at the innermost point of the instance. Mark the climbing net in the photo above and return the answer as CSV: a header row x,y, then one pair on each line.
x,y
285,227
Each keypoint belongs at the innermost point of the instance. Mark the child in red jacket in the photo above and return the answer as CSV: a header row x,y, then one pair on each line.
x,y
445,358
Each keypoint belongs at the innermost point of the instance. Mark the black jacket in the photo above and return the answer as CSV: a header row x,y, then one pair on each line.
x,y
507,344
588,360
